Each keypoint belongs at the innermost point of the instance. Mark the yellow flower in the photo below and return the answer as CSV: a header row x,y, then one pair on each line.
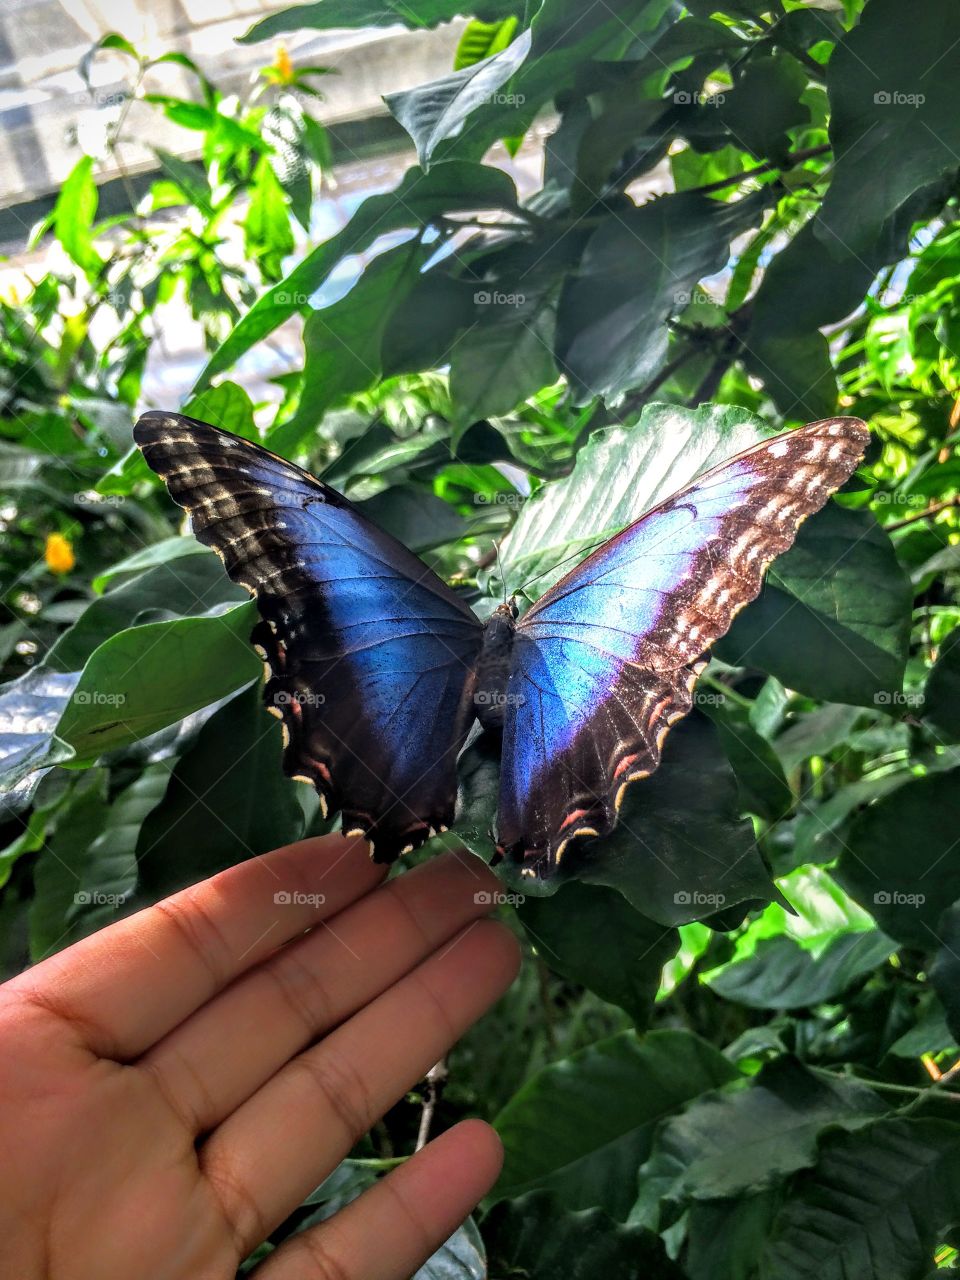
x,y
58,553
283,66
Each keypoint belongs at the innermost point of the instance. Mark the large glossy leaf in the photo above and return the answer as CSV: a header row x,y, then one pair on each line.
x,y
833,618
593,936
725,1238
900,858
640,266
419,197
183,587
30,710
536,1238
227,800
148,677
742,1140
945,970
438,110
894,125
874,1206
783,975
760,777
582,1127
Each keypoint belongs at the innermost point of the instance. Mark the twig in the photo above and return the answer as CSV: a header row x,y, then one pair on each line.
x,y
932,510
768,166
436,1078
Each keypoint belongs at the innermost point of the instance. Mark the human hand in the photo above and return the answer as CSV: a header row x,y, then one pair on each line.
x,y
175,1085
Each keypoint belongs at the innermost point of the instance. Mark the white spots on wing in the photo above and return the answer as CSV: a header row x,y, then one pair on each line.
x,y
407,848
835,452
302,777
285,736
816,447
275,712
779,449
835,429
324,807
260,651
355,833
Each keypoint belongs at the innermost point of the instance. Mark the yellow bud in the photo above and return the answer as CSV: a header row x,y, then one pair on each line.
x,y
58,553
283,65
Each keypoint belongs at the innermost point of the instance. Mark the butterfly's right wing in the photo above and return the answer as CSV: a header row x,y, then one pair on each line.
x,y
370,656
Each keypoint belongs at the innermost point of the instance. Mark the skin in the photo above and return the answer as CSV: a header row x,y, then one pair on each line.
x,y
175,1085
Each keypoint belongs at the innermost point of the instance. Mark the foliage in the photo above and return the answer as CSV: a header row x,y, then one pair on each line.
x,y
729,1054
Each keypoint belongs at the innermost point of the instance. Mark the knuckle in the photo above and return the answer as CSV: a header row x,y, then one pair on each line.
x,y
341,1086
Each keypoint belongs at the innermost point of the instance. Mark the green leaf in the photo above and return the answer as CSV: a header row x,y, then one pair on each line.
x,y
190,178
894,125
507,354
421,521
227,800
454,187
185,587
227,406
59,865
898,860
760,778
268,236
328,15
639,267
536,1238
161,552
783,975
438,110
726,1237
742,1140
941,695
73,216
462,1257
874,1206
833,618
30,710
151,676
342,341
581,1127
765,103
593,936
483,39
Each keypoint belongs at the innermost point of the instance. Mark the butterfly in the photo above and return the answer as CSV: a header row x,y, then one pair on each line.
x,y
378,669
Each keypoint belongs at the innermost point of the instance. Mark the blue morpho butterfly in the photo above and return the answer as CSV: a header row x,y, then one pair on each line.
x,y
378,669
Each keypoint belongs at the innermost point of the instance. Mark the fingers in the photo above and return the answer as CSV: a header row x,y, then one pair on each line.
x,y
128,985
280,1144
212,1063
391,1230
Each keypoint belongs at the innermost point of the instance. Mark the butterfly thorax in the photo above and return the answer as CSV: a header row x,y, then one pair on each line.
x,y
493,668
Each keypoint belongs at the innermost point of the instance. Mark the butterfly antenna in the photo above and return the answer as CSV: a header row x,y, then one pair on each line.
x,y
574,555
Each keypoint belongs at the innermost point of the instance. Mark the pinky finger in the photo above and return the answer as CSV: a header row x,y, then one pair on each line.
x,y
392,1229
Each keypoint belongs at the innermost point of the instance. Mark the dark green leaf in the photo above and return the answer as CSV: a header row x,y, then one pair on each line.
x,y
595,937
765,103
227,800
327,15
783,975
899,859
534,1237
639,267
760,777
59,865
894,126
874,1206
227,406
726,1237
833,618
945,970
582,1127
941,695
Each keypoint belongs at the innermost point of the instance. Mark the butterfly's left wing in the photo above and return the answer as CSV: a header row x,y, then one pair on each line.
x,y
370,656
605,662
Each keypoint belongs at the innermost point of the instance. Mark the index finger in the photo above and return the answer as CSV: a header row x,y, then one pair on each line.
x,y
128,985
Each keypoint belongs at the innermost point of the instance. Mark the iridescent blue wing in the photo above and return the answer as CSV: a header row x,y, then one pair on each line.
x,y
370,656
605,662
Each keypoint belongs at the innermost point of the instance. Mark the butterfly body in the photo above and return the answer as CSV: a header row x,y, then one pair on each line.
x,y
377,669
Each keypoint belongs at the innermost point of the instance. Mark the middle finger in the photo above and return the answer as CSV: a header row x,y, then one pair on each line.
x,y
223,1053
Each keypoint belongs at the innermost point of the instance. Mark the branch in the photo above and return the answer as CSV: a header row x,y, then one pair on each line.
x,y
768,166
932,510
436,1078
